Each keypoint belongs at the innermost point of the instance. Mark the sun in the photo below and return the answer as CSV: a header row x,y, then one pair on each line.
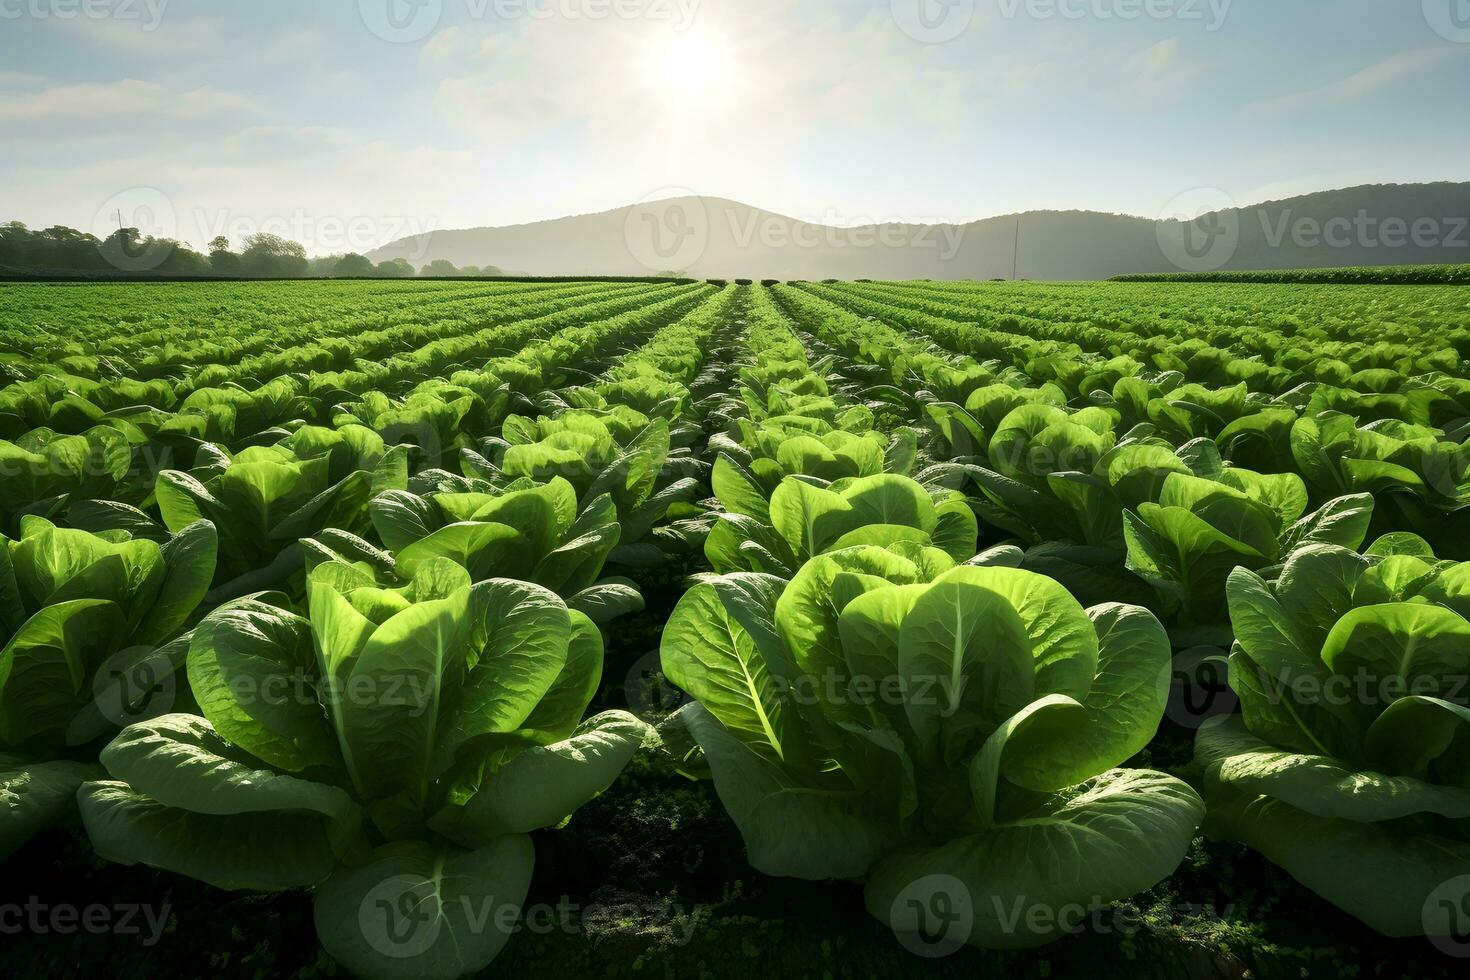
x,y
687,67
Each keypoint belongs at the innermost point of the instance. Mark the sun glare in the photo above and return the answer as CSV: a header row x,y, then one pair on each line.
x,y
688,67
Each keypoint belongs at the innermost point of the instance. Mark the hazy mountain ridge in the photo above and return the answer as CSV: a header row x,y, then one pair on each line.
x,y
1376,224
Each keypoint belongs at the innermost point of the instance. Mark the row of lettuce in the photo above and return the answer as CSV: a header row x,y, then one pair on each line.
x,y
336,665
1294,327
1400,275
362,646
878,703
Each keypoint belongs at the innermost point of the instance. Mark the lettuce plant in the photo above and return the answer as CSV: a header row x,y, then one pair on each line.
x,y
802,520
965,430
1178,519
37,796
1194,410
1419,474
392,750
1046,474
67,402
42,471
532,532
945,734
230,412
790,448
433,418
1188,541
1349,765
648,388
642,393
265,498
84,618
1053,475
618,452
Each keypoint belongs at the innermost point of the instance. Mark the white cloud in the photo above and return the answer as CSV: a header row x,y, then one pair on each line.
x,y
126,98
191,40
19,79
1402,65
443,47
826,111
323,186
153,32
1164,72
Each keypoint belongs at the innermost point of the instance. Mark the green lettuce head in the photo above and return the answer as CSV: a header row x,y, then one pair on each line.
x,y
529,531
42,472
947,735
393,749
802,520
617,453
265,498
1349,765
89,640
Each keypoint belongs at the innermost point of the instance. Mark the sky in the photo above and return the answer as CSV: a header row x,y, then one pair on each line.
x,y
346,124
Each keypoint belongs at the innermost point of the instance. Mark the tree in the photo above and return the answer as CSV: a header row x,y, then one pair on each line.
x,y
323,266
353,266
180,259
65,251
222,261
440,267
15,245
272,257
396,269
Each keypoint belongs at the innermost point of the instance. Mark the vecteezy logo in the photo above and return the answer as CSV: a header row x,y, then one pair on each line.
x,y
668,231
933,21
419,434
401,917
1447,917
137,228
1450,19
1199,687
401,21
1443,465
1199,230
650,695
134,685
933,916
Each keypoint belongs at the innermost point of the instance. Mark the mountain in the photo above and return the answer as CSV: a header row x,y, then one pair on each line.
x,y
1377,224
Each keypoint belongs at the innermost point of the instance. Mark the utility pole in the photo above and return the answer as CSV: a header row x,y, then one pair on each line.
x,y
1016,251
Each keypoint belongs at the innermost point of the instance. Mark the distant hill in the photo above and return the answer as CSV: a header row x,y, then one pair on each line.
x,y
1371,225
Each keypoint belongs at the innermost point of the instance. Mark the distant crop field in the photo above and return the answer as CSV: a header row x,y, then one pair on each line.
x,y
711,626
1388,275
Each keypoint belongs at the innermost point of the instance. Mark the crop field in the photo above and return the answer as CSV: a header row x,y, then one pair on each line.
x,y
676,628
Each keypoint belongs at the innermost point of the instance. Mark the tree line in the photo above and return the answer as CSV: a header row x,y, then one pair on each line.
x,y
61,251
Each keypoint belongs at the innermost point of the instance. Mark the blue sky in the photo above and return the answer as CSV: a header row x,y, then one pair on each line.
x,y
323,121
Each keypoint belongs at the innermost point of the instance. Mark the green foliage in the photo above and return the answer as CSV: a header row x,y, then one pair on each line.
x,y
424,730
1004,492
529,531
1400,275
892,718
86,622
265,498
1350,670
